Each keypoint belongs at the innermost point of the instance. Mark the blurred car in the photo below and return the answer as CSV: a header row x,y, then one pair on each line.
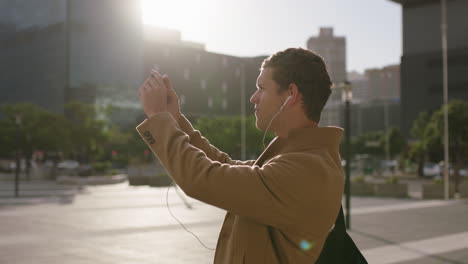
x,y
68,165
10,165
7,165
85,170
431,169
464,172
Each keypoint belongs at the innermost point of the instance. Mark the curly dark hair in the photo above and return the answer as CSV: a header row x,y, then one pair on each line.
x,y
308,71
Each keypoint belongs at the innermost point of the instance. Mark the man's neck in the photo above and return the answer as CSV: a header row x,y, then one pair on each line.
x,y
283,132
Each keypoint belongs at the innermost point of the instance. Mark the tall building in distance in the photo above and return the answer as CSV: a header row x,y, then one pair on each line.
x,y
376,101
384,83
360,84
333,51
421,63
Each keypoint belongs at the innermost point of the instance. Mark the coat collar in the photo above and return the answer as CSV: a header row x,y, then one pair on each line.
x,y
303,138
312,136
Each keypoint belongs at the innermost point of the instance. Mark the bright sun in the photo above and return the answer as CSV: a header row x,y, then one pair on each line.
x,y
174,14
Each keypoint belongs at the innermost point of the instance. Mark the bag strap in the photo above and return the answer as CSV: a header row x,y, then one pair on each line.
x,y
340,221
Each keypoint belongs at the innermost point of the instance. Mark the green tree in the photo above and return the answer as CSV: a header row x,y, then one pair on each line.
x,y
224,132
371,143
7,138
39,129
458,132
429,130
396,141
87,133
417,150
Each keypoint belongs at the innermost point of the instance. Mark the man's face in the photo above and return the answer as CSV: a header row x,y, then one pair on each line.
x,y
266,99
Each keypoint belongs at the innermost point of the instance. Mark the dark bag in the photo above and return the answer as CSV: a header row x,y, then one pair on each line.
x,y
339,247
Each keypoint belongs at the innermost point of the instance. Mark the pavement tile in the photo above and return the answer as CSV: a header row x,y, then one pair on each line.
x,y
126,224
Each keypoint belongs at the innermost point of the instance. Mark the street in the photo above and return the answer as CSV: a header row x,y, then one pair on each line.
x,y
53,223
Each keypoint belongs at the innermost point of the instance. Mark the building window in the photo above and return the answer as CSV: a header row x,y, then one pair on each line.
x,y
203,84
225,103
210,102
186,74
197,58
224,87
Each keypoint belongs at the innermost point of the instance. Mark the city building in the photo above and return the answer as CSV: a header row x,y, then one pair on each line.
x,y
54,51
58,51
384,83
360,84
207,83
376,100
421,62
373,116
333,51
33,66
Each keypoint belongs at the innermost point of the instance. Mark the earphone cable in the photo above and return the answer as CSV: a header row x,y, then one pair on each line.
x,y
167,204
266,130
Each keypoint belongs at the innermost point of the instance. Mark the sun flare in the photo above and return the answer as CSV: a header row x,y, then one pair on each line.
x,y
174,14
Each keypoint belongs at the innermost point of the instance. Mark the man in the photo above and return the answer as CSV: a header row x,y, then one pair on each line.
x,y
281,206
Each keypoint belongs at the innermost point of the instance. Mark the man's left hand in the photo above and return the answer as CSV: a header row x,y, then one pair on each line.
x,y
153,94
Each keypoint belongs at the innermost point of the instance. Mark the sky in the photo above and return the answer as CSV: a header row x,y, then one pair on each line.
x,y
247,28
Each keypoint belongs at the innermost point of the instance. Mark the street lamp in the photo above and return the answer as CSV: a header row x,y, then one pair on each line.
x,y
443,25
18,146
346,97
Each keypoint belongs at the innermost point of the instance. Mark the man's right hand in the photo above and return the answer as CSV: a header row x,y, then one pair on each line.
x,y
173,105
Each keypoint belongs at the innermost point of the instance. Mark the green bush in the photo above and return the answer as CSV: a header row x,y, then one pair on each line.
x,y
438,181
392,179
359,179
102,167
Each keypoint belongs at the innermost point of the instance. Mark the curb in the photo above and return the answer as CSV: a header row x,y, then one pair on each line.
x,y
92,180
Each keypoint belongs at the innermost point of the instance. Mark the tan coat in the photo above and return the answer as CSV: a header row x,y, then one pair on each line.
x,y
280,207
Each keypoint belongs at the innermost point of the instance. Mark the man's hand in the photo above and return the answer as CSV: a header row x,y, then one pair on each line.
x,y
173,105
153,95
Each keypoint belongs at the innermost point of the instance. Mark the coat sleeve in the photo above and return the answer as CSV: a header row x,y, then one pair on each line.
x,y
271,194
198,141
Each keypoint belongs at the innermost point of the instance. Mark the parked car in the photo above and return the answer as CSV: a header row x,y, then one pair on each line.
x,y
431,169
464,172
68,165
7,165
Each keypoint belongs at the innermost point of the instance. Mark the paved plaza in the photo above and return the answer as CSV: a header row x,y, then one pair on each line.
x,y
53,223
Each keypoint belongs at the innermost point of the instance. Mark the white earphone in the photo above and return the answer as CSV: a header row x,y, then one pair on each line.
x,y
281,110
285,102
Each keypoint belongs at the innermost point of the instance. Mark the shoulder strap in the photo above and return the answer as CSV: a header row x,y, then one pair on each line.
x,y
340,221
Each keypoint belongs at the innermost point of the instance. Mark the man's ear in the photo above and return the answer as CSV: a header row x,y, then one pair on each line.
x,y
293,91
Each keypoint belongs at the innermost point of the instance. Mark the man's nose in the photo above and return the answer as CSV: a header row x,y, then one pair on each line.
x,y
253,98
